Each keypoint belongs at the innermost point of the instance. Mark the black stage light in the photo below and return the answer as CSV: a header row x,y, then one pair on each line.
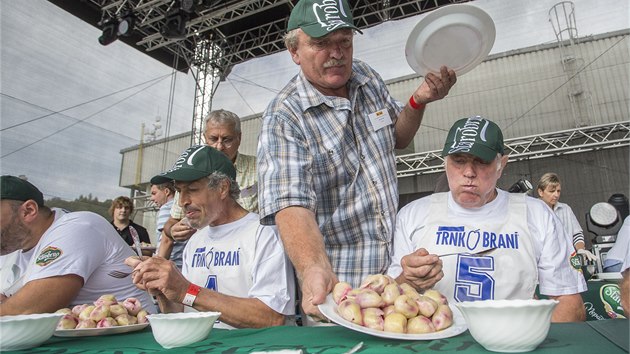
x,y
175,26
110,32
521,186
126,24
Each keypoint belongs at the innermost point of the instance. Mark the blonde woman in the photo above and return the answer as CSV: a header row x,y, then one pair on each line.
x,y
549,189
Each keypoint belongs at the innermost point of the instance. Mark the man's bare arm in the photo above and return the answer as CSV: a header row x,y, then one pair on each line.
x,y
43,295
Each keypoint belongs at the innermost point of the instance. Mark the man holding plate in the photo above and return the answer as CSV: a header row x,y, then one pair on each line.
x,y
326,153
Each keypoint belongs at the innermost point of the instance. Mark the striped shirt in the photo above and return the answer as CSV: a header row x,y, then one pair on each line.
x,y
162,217
322,153
178,247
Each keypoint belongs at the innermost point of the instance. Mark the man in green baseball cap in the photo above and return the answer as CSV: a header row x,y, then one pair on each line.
x,y
476,136
231,262
326,152
318,18
523,243
197,162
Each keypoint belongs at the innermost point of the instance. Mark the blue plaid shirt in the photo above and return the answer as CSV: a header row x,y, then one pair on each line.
x,y
322,153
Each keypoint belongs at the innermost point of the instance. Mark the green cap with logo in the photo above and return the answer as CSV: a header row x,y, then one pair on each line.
x,y
195,163
476,136
15,188
317,18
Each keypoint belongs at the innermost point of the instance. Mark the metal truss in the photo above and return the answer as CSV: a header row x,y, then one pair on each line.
x,y
572,141
243,29
222,33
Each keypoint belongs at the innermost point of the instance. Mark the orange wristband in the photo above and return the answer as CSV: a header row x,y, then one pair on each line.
x,y
415,105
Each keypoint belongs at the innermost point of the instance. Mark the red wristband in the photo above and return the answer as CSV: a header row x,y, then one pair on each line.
x,y
191,294
415,105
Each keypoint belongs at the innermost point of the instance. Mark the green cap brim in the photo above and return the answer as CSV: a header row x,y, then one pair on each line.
x,y
160,179
185,175
315,30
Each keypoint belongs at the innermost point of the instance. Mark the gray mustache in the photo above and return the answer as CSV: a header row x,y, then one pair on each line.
x,y
333,62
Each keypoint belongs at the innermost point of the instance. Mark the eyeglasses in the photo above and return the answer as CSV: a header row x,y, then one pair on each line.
x,y
227,142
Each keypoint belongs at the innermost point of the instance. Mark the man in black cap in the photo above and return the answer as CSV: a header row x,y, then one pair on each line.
x,y
232,264
69,257
526,245
326,153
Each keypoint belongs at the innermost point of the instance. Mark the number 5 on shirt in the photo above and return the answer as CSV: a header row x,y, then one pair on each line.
x,y
472,282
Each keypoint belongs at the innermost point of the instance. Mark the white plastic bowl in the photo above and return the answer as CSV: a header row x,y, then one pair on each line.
x,y
27,331
509,326
174,330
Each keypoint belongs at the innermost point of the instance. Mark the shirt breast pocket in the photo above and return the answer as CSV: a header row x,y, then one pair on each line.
x,y
328,171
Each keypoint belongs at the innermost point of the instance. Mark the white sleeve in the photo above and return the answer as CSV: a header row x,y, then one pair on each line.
x,y
63,250
272,273
577,234
556,275
409,218
623,239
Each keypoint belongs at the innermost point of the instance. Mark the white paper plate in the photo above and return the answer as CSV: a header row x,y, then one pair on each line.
x,y
608,276
329,309
86,332
459,36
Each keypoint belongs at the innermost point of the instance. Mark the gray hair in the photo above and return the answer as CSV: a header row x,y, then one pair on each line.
x,y
215,179
221,116
291,39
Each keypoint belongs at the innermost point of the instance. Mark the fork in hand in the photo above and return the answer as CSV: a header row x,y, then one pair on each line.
x,y
474,254
117,274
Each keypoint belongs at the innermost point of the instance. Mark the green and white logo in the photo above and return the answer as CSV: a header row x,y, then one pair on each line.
x,y
576,261
611,298
48,255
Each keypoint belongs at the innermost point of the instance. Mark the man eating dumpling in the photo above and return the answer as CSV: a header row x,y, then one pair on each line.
x,y
64,258
232,264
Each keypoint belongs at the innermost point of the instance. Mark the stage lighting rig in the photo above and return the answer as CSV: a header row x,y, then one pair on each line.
x,y
126,24
175,25
110,31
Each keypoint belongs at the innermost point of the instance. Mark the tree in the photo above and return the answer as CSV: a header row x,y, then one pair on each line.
x,y
82,204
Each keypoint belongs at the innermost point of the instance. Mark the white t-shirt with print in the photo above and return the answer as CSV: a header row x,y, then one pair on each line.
x,y
537,236
242,259
85,244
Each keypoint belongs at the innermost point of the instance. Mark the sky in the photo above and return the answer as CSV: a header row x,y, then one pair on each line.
x,y
69,105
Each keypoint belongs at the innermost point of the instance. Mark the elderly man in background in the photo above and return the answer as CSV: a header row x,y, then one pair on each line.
x,y
521,233
162,195
71,255
223,132
233,264
326,153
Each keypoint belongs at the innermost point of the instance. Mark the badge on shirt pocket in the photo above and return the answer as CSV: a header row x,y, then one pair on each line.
x,y
380,119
